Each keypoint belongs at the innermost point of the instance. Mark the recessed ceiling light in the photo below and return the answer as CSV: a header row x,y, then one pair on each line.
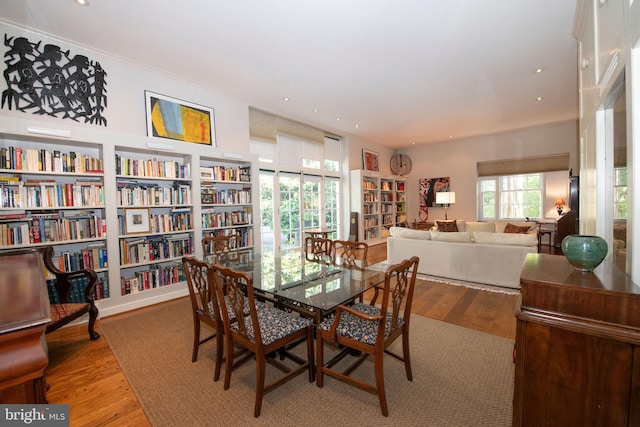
x,y
539,70
357,126
315,110
450,136
286,98
82,2
337,118
540,98
413,143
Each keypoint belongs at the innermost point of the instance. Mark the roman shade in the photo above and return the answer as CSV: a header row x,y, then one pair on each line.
x,y
554,162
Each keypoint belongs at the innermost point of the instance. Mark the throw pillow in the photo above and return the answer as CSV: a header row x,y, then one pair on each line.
x,y
447,226
510,228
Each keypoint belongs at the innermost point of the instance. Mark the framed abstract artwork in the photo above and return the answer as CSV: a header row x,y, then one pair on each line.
x,y
428,189
370,160
179,120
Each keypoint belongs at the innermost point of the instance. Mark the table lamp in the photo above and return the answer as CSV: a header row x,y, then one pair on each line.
x,y
559,206
445,198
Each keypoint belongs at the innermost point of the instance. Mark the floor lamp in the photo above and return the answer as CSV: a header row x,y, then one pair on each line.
x,y
445,198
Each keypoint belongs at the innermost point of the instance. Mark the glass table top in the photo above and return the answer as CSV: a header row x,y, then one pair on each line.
x,y
291,278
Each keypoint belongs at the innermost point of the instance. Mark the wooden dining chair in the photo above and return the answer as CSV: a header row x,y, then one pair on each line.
x,y
319,250
203,308
350,254
262,331
214,247
371,330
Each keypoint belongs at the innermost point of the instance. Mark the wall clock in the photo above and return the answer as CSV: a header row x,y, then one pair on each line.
x,y
400,164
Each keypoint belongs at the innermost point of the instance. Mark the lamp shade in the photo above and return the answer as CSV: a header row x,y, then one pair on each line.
x,y
560,202
445,197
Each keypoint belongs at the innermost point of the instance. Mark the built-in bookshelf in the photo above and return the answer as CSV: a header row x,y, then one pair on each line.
x,y
226,197
54,194
379,202
155,218
128,207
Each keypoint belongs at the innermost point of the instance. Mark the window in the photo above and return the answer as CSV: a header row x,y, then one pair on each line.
x,y
620,193
510,196
300,181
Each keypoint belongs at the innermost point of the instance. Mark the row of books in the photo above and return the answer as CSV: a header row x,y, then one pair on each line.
x,y
212,219
152,168
51,227
92,258
78,284
211,195
224,173
156,248
155,277
154,196
41,160
245,235
370,209
41,194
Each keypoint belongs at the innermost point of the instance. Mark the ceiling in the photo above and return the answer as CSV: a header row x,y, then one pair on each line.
x,y
393,72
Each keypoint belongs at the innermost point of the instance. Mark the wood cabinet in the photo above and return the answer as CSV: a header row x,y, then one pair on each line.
x,y
564,226
577,350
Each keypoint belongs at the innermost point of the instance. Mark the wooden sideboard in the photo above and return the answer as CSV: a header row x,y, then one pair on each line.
x,y
577,351
24,314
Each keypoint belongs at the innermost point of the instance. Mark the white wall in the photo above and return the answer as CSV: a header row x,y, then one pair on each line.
x,y
457,159
125,110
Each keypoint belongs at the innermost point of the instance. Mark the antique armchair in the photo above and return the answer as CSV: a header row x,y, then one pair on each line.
x,y
370,330
64,310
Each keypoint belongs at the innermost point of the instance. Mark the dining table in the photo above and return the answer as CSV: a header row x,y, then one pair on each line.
x,y
291,282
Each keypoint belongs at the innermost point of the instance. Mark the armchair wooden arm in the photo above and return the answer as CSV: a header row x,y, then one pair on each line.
x,y
66,310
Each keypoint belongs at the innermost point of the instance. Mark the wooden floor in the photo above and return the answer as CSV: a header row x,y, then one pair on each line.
x,y
86,375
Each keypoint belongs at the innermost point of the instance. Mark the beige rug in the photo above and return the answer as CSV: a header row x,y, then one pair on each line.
x,y
461,378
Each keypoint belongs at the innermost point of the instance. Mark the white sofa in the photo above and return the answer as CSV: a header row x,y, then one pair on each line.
x,y
479,252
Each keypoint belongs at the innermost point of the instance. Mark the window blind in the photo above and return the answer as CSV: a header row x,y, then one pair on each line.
x,y
554,162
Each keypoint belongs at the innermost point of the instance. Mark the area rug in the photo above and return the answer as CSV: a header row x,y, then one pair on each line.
x,y
472,285
461,377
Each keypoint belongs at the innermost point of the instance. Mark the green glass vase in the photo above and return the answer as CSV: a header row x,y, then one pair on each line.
x,y
584,252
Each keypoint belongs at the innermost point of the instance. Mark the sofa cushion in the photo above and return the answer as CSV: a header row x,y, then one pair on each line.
x,y
509,239
517,229
451,236
408,233
447,226
472,226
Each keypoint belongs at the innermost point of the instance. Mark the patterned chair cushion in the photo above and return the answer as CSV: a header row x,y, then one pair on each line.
x,y
210,313
274,324
356,328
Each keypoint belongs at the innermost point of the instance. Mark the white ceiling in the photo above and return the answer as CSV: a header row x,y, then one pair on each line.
x,y
404,71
